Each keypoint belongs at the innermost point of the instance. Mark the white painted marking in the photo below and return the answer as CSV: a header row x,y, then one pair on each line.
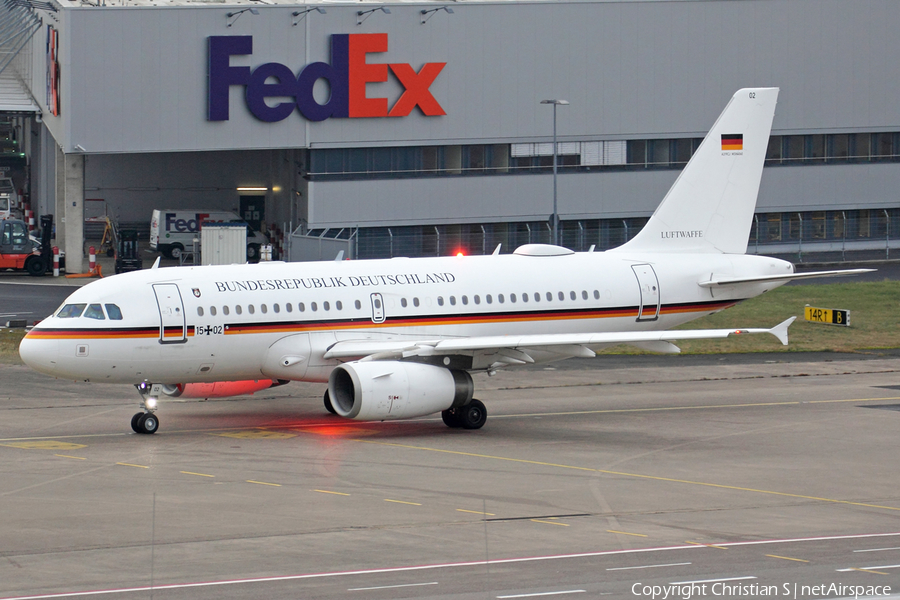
x,y
648,566
713,580
175,586
877,549
545,594
874,568
389,587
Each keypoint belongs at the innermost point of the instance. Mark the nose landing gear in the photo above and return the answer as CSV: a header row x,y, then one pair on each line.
x,y
146,422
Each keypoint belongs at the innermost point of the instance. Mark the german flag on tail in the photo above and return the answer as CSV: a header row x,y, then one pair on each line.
x,y
732,141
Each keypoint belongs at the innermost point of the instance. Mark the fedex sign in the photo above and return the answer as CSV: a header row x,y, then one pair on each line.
x,y
347,75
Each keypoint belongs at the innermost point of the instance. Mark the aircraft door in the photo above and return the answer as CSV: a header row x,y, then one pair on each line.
x,y
172,323
377,308
648,284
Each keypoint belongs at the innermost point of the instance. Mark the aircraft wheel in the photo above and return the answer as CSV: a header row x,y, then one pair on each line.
x,y
148,423
473,415
452,418
134,421
328,406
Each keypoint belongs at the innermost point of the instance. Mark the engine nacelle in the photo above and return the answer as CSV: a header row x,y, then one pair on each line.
x,y
381,390
218,389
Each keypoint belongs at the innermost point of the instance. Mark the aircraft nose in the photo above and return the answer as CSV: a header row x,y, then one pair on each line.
x,y
39,354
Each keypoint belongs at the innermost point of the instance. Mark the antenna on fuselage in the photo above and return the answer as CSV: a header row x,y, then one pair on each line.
x,y
156,264
496,250
339,257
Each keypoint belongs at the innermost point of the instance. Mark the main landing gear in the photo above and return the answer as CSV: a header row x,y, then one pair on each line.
x,y
145,422
471,416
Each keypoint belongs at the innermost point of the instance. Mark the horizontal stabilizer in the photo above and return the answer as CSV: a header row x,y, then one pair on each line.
x,y
785,277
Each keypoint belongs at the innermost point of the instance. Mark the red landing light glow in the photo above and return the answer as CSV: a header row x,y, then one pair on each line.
x,y
338,431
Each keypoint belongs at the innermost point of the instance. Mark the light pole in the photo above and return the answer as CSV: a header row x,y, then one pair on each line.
x,y
554,225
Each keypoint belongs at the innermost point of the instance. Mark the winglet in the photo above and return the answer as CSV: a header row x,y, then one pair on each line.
x,y
781,330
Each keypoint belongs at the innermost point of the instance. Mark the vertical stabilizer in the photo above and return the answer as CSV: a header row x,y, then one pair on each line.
x,y
710,207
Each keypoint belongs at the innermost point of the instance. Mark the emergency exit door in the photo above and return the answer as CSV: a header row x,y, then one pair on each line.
x,y
648,309
172,323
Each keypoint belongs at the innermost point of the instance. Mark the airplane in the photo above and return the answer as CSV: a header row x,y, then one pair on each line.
x,y
400,338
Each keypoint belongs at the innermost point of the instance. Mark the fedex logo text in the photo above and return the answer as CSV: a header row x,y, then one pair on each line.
x,y
183,225
347,75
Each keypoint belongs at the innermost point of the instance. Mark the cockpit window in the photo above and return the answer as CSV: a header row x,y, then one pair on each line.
x,y
94,311
114,313
71,311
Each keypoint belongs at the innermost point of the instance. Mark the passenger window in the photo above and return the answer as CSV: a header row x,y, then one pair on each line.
x,y
276,308
477,299
403,302
339,305
465,300
237,309
225,310
573,296
326,305
549,297
488,299
71,311
500,298
95,311
250,309
537,296
313,306
584,295
452,300
512,298
596,294
525,296
114,313
561,296
212,311
440,300
416,302
263,308
289,307
301,307
358,305
199,311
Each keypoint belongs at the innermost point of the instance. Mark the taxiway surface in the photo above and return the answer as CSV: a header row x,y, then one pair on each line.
x,y
585,482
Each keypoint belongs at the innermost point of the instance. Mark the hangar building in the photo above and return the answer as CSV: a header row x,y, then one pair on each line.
x,y
417,128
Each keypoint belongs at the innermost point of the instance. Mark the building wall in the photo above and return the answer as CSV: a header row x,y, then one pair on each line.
x,y
135,79
134,99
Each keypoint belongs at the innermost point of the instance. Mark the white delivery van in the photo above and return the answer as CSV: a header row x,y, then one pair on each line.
x,y
9,199
173,230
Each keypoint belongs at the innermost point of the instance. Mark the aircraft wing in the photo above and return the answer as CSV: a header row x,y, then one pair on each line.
x,y
785,277
516,347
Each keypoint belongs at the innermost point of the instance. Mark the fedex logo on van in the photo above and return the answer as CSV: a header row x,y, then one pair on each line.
x,y
347,75
185,225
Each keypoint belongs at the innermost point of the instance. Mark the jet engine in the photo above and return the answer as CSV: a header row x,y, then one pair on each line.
x,y
218,389
381,390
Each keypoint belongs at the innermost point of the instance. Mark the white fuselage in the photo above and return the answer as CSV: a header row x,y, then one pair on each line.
x,y
229,323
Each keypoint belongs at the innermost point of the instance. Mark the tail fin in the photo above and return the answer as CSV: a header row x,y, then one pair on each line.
x,y
710,207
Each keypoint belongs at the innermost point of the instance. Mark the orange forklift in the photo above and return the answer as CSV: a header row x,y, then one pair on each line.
x,y
19,251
